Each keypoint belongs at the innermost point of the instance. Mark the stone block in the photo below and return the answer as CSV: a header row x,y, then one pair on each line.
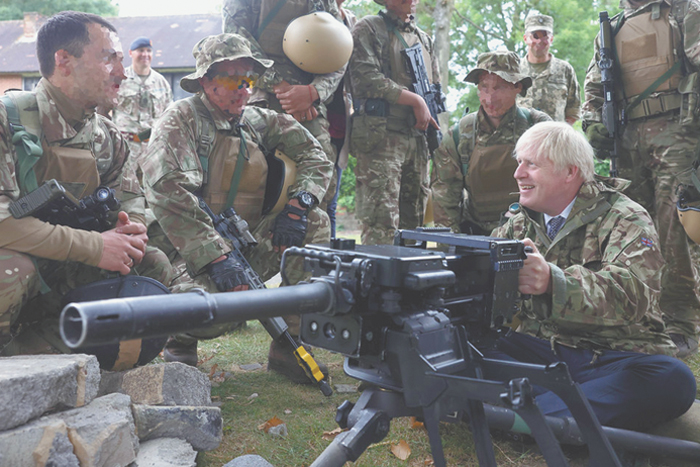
x,y
165,452
162,384
248,460
42,443
31,385
199,426
103,432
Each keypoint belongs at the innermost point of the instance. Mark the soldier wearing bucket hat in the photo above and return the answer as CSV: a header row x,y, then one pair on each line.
x,y
476,154
212,145
555,89
388,127
285,87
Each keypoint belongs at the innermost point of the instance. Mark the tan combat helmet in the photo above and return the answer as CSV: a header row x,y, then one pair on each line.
x,y
317,43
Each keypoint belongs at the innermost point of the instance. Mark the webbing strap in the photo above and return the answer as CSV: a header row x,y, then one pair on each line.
x,y
238,172
652,87
269,17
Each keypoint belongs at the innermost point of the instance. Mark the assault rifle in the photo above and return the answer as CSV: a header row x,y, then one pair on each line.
x,y
52,203
410,321
431,93
234,228
607,79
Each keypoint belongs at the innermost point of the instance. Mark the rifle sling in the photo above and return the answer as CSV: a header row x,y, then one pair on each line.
x,y
238,172
652,87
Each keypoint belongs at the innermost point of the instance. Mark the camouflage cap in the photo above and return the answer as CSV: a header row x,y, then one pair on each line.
x,y
505,64
219,48
539,23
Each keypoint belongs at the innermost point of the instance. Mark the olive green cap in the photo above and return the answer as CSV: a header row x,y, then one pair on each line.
x,y
505,64
219,48
539,23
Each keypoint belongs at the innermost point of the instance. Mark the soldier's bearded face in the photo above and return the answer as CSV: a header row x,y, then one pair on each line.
x,y
402,8
544,188
98,73
496,95
231,100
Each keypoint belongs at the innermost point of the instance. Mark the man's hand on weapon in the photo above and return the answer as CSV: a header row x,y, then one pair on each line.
x,y
420,110
290,227
298,100
599,138
123,246
228,274
535,277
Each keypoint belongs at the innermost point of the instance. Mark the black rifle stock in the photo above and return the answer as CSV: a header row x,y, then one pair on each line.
x,y
410,321
431,93
607,80
234,228
52,203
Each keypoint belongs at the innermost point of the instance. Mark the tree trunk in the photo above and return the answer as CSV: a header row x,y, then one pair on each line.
x,y
442,15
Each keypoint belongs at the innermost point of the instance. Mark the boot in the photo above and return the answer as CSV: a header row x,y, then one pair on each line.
x,y
281,360
181,351
687,346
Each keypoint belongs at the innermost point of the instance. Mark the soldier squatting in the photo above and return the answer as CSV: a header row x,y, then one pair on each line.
x,y
612,284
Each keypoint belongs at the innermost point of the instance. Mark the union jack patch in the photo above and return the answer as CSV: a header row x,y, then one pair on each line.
x,y
647,242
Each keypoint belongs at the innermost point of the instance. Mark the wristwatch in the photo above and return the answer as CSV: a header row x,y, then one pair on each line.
x,y
306,199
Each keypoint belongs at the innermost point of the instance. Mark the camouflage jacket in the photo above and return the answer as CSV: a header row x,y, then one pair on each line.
x,y
451,164
606,274
141,102
690,32
242,17
173,173
554,91
371,71
65,126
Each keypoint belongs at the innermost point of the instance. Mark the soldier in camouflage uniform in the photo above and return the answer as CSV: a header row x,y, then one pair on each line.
x,y
285,87
175,175
594,276
80,59
388,127
554,88
475,155
143,96
659,141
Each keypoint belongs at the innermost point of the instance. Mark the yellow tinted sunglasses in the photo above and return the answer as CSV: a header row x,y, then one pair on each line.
x,y
235,82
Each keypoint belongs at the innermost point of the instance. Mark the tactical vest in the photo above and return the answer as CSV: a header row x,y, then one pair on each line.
x,y
647,47
78,164
270,38
220,157
488,170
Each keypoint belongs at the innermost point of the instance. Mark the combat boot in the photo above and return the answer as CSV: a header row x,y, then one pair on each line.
x,y
281,360
181,351
687,346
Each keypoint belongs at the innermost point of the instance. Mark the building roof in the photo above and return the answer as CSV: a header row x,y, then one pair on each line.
x,y
173,38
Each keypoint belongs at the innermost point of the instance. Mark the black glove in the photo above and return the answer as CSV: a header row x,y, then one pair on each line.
x,y
227,274
600,139
290,227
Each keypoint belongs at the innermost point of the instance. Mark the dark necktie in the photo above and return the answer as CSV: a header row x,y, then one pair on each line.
x,y
554,225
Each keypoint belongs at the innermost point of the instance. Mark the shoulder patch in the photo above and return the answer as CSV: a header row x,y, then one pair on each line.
x,y
647,242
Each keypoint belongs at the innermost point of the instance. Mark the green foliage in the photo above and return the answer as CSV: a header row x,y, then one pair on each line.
x,y
15,9
346,197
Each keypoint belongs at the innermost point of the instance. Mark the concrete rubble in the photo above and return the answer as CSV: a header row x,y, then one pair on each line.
x,y
60,411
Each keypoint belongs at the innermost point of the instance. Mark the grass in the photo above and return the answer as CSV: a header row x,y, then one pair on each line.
x,y
250,398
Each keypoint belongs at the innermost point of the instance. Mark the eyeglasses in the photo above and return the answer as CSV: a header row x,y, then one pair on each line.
x,y
235,82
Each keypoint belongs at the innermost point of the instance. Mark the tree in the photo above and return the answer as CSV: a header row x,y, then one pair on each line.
x,y
15,9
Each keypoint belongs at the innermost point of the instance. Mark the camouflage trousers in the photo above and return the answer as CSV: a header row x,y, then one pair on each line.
x,y
318,127
21,300
262,258
392,185
657,154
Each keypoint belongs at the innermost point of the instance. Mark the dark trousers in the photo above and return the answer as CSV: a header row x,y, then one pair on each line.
x,y
625,389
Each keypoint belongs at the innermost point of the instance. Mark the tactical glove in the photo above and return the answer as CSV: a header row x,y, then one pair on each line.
x,y
290,227
600,139
227,274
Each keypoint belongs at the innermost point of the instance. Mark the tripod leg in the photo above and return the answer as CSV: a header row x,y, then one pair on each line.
x,y
480,433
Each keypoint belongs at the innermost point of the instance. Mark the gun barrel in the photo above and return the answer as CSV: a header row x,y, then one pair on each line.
x,y
110,321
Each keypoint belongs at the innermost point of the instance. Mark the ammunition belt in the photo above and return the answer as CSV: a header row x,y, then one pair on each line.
x,y
655,105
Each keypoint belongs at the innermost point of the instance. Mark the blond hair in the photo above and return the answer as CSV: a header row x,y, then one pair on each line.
x,y
561,144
